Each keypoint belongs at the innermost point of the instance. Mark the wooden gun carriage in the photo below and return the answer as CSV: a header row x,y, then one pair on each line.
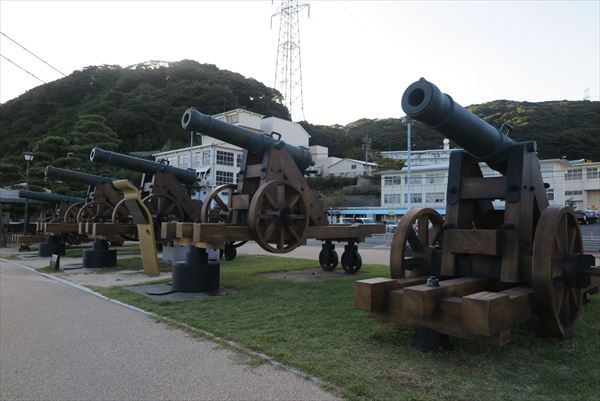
x,y
271,203
482,269
53,244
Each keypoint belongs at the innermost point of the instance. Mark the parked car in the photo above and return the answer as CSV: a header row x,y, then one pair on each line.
x,y
391,227
365,220
581,218
591,216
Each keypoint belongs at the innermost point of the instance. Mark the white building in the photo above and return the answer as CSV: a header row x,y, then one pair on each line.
x,y
329,166
422,157
575,183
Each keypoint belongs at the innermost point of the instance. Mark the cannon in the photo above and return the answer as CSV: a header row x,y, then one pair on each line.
x,y
164,189
271,203
99,206
483,269
55,244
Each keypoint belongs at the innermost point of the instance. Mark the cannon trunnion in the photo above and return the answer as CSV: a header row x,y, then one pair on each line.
x,y
482,269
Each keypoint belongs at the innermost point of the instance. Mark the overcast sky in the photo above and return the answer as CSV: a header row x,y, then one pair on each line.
x,y
357,57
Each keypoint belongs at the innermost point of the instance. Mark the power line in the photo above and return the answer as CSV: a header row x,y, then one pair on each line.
x,y
30,52
12,62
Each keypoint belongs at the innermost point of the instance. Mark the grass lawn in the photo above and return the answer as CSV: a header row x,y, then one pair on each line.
x,y
134,264
121,250
313,326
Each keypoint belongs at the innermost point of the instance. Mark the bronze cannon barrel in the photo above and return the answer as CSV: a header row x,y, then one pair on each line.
x,y
253,142
423,101
77,176
49,197
99,155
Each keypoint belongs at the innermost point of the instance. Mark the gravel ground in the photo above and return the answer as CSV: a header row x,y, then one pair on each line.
x,y
60,343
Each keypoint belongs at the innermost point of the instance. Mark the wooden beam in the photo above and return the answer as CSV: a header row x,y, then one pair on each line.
x,y
473,242
483,188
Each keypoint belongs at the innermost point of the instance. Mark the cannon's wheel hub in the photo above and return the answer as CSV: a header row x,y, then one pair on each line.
x,y
278,216
557,271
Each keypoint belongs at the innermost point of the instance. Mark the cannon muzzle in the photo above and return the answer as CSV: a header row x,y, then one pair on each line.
x,y
253,142
77,176
99,155
423,101
49,197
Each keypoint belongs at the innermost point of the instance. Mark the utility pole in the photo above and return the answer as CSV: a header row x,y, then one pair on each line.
x,y
408,123
367,147
288,64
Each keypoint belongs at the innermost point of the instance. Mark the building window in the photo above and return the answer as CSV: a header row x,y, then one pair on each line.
x,y
224,158
434,197
593,173
206,158
183,161
574,174
353,167
391,198
392,180
550,194
238,160
573,193
415,198
434,179
223,177
414,179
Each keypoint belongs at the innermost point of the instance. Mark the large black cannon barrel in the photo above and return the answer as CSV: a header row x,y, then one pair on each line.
x,y
423,101
49,197
253,142
77,176
99,155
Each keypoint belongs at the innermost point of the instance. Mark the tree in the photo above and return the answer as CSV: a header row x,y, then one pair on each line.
x,y
90,131
10,174
386,163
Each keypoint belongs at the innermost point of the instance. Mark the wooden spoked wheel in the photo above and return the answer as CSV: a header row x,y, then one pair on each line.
x,y
70,215
121,215
214,208
418,234
278,216
164,208
97,212
556,297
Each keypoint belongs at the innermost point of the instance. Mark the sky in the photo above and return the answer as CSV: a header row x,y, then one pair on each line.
x,y
357,56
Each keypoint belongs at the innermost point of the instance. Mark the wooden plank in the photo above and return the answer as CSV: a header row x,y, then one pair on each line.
x,y
168,231
372,294
420,301
344,231
483,312
483,188
184,230
474,242
240,202
218,233
110,229
61,228
253,171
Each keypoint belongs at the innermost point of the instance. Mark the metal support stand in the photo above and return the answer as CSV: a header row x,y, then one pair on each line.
x,y
328,257
53,246
196,274
99,255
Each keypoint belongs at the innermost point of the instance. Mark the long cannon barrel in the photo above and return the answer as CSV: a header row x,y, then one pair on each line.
x,y
253,142
99,155
78,176
423,101
49,197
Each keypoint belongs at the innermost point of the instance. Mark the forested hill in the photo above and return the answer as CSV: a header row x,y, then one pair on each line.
x,y
561,128
142,105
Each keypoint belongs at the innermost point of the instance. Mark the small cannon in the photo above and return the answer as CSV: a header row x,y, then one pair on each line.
x,y
163,187
483,269
272,202
53,244
100,206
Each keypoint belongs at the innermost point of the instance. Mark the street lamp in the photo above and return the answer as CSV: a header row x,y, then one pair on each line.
x,y
28,158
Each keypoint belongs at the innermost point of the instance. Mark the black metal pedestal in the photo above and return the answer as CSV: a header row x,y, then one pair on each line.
x,y
99,255
428,340
53,246
196,274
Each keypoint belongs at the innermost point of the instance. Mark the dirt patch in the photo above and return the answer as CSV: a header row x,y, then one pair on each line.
x,y
306,275
88,277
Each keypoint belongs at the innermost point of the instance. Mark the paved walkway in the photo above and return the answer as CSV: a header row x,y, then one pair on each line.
x,y
59,343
